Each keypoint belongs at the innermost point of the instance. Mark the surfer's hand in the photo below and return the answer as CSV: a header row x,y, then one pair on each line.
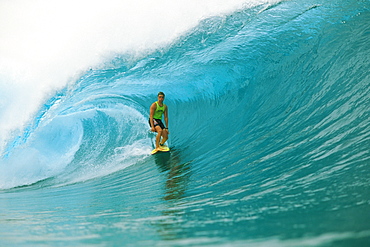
x,y
153,129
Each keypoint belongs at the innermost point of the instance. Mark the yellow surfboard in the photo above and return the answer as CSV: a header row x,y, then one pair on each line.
x,y
164,149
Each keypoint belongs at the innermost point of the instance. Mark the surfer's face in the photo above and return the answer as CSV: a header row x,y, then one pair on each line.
x,y
160,98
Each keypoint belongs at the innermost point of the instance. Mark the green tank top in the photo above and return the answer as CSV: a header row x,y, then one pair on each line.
x,y
159,111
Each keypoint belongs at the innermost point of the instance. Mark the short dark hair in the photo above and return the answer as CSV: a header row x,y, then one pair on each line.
x,y
161,93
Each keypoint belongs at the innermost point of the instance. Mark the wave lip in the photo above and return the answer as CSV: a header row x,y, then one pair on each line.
x,y
43,51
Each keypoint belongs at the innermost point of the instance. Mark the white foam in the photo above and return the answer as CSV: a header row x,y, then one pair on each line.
x,y
43,157
123,157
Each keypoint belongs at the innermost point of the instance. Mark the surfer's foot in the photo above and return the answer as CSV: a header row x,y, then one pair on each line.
x,y
159,149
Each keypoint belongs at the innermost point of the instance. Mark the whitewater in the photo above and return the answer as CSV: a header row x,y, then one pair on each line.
x,y
269,120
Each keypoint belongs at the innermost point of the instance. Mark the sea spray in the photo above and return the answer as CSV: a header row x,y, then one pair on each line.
x,y
44,45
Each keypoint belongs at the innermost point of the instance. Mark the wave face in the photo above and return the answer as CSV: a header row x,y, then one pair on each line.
x,y
269,109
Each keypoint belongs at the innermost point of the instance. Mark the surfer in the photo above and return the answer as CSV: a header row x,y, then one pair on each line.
x,y
157,109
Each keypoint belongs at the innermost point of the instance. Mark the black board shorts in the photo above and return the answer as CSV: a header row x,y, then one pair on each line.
x,y
157,122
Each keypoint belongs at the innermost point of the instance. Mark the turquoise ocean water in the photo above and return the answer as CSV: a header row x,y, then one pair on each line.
x,y
269,109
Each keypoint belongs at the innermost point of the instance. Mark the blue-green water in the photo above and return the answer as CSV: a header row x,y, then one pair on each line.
x,y
269,110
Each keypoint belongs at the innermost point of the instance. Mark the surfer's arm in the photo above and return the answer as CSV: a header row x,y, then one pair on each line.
x,y
151,114
166,116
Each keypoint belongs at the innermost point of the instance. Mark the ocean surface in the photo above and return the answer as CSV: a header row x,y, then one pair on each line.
x,y
269,120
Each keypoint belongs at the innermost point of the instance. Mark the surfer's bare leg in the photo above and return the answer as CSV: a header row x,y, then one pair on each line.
x,y
165,136
158,137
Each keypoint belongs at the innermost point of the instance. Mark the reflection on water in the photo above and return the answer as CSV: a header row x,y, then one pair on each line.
x,y
178,174
177,177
